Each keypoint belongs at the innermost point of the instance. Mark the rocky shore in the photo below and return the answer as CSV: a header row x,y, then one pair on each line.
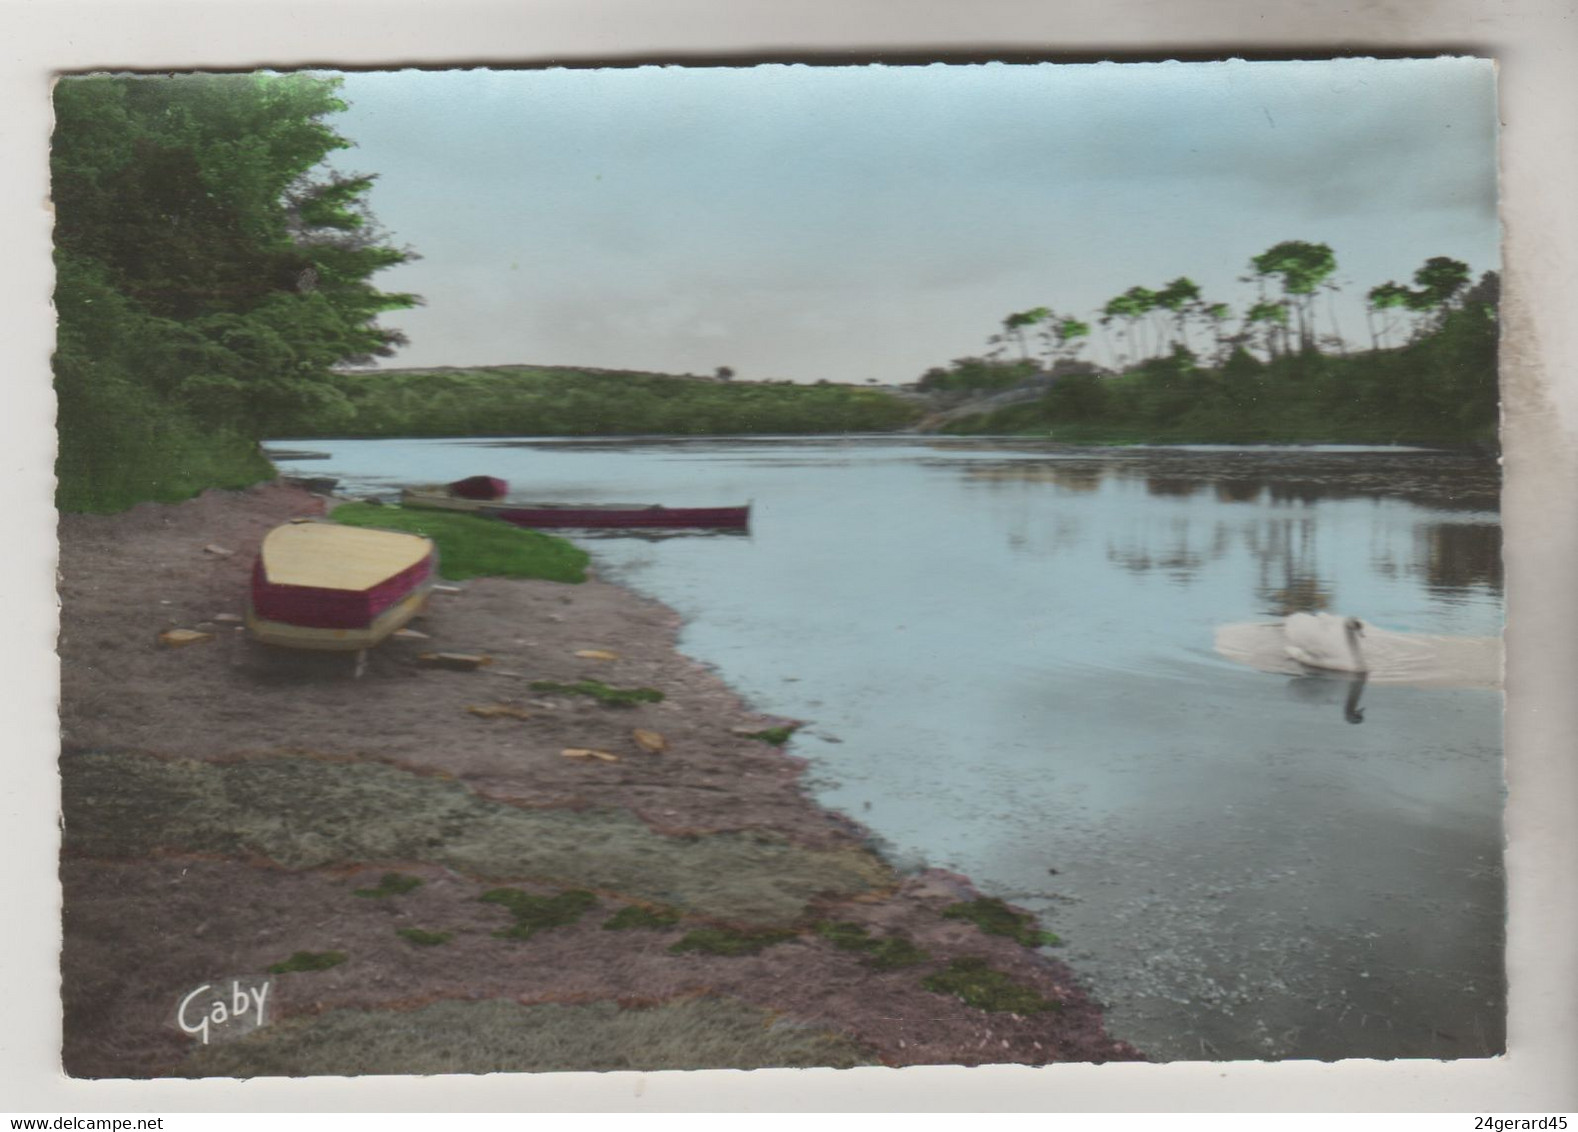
x,y
428,879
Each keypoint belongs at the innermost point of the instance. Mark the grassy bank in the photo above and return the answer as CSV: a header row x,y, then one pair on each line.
x,y
470,546
549,401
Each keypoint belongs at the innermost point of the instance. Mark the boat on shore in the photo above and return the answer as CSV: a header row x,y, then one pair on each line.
x,y
484,495
319,585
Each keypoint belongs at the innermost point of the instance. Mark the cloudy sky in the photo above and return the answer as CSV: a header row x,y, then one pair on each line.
x,y
852,223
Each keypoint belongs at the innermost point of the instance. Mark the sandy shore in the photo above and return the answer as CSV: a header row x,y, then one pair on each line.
x,y
225,803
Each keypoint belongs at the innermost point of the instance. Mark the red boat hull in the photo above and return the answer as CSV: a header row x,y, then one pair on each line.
x,y
318,607
479,487
733,518
604,516
324,586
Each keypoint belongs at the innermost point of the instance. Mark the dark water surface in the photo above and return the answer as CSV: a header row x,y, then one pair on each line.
x,y
1006,654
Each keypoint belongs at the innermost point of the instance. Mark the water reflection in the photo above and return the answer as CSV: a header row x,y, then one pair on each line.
x,y
1460,556
1283,535
1283,477
1176,487
1313,688
1178,557
1239,490
1080,476
1298,595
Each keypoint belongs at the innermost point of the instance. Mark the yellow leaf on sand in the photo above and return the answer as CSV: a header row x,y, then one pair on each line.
x,y
456,660
596,654
588,753
650,740
178,637
494,711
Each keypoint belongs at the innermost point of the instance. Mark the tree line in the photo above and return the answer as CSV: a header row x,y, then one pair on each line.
x,y
210,269
549,401
1185,367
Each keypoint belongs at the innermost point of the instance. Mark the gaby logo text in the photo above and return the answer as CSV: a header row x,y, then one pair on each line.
x,y
214,1009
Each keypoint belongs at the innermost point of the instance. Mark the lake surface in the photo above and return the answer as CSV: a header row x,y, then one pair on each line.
x,y
1005,654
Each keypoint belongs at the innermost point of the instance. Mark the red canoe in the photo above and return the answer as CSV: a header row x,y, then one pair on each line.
x,y
584,515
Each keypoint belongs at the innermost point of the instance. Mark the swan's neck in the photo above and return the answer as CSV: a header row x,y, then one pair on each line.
x,y
1353,648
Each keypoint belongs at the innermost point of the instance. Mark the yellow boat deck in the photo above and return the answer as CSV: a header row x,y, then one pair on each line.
x,y
329,556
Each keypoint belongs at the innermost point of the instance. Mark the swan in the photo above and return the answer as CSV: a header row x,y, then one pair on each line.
x,y
1323,640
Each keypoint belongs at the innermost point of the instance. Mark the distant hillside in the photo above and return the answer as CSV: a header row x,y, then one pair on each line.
x,y
577,401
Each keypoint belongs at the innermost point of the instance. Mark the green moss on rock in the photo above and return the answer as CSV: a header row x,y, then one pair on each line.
x,y
424,938
637,916
727,941
883,954
308,961
391,884
984,988
602,693
776,736
538,913
994,917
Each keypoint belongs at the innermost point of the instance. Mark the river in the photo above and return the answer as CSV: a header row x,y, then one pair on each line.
x,y
1005,654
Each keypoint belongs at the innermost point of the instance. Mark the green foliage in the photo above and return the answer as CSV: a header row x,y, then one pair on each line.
x,y
976,375
1178,294
1439,389
1133,303
1069,329
308,961
1440,280
1268,312
1015,326
548,401
471,546
727,941
996,918
986,989
602,693
121,439
539,913
206,277
1077,397
637,916
424,938
1302,266
887,954
1388,295
391,884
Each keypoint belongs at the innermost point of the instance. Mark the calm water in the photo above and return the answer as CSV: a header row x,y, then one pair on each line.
x,y
1006,655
